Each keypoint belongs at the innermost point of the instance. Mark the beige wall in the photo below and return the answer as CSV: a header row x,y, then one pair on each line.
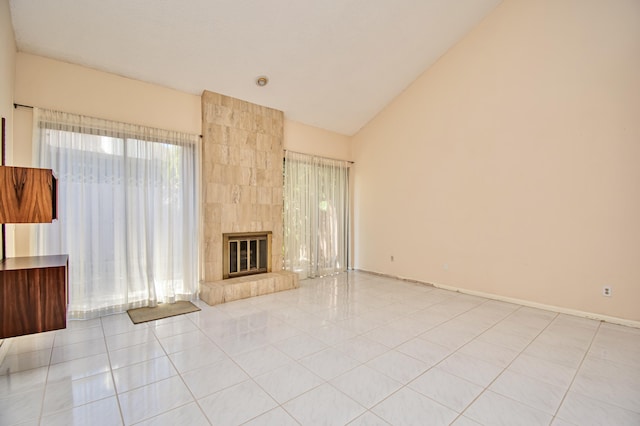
x,y
61,86
511,166
312,140
7,68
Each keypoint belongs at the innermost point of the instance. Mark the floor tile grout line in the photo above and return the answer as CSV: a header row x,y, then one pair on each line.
x,y
72,360
197,402
575,375
167,355
327,382
168,411
250,378
9,342
437,325
64,410
406,385
113,379
179,374
428,329
486,388
46,380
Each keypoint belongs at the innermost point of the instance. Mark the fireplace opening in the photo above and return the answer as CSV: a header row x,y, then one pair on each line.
x,y
246,253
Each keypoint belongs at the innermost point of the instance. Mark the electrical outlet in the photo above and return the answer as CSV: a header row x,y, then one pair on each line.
x,y
445,266
607,291
392,258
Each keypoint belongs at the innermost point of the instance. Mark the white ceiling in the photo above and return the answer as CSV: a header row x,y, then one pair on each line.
x,y
333,64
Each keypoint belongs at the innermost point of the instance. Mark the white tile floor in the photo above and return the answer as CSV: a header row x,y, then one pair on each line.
x,y
350,349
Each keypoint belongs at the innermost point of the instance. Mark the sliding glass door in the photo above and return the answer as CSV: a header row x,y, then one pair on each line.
x,y
127,208
316,212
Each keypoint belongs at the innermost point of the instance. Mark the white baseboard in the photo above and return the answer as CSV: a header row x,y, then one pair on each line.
x,y
523,302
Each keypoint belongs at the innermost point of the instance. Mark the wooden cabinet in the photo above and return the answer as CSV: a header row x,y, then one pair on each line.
x,y
27,195
33,294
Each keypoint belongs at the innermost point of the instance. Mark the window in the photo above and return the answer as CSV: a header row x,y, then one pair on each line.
x,y
316,212
127,209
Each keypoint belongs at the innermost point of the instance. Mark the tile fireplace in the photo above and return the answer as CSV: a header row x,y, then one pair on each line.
x,y
242,161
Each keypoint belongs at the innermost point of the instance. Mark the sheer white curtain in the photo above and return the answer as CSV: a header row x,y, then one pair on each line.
x,y
316,215
127,208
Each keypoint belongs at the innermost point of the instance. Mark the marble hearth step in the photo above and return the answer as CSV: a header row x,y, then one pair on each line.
x,y
216,292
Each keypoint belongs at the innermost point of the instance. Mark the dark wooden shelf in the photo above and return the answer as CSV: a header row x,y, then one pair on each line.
x,y
34,262
33,294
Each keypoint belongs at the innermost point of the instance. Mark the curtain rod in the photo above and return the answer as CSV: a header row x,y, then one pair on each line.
x,y
319,156
15,105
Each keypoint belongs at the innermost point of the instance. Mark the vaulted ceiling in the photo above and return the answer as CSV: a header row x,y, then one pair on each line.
x,y
333,64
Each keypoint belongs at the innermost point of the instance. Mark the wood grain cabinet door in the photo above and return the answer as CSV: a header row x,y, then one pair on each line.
x,y
32,301
27,195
